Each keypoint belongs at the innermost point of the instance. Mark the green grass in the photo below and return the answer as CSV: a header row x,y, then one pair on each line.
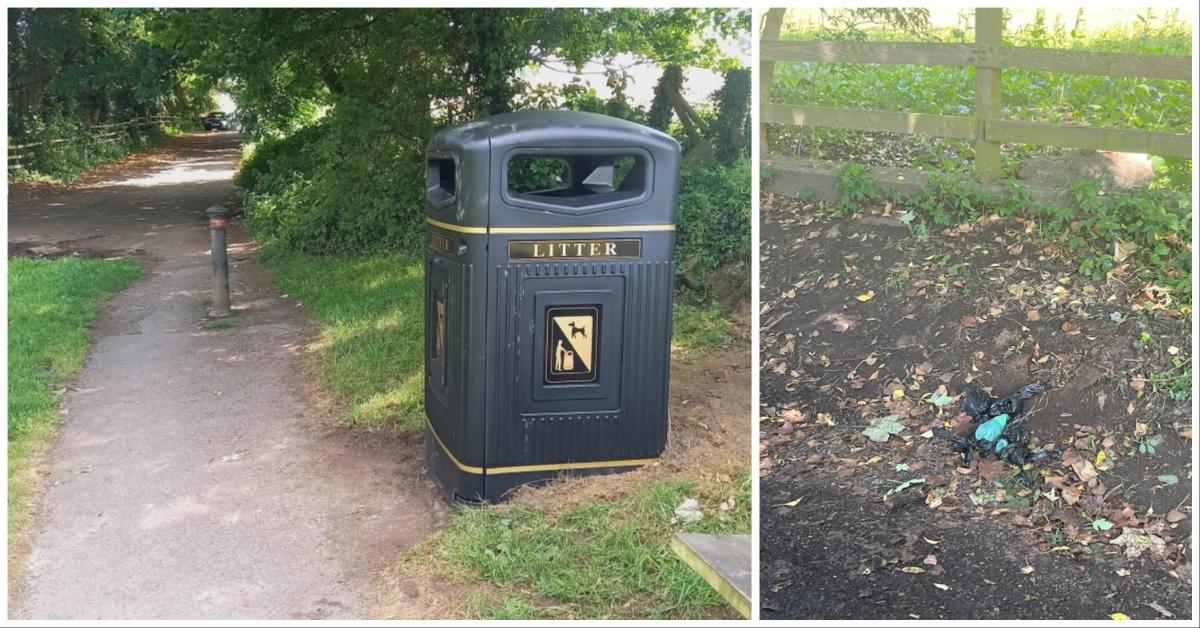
x,y
52,304
370,313
603,560
700,329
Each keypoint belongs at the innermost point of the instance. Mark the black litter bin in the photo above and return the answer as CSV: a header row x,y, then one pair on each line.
x,y
549,276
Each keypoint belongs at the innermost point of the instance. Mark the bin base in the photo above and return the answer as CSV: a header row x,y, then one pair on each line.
x,y
473,489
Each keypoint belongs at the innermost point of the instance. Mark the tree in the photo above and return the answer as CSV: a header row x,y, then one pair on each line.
x,y
91,66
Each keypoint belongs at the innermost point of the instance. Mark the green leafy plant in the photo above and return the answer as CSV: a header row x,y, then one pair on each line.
x,y
713,227
856,186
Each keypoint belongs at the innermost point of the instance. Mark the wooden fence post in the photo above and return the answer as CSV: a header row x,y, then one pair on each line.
x,y
772,24
989,31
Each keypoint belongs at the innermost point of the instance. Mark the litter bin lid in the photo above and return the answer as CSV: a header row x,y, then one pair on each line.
x,y
479,150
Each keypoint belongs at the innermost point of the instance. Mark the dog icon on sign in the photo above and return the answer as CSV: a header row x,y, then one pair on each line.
x,y
571,336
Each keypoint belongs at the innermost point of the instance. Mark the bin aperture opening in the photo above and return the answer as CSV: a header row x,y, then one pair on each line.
x,y
441,181
577,181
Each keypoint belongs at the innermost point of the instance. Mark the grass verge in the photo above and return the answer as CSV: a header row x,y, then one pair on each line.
x,y
369,310
370,313
52,305
602,560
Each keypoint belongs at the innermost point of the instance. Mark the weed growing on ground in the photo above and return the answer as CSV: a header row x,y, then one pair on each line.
x,y
856,185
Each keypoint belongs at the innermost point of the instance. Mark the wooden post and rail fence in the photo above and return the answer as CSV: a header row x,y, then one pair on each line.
x,y
23,153
989,56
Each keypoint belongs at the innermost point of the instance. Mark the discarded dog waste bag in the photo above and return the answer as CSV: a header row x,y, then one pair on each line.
x,y
998,428
548,287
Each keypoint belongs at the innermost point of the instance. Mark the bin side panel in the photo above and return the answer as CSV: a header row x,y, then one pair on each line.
x,y
622,416
453,383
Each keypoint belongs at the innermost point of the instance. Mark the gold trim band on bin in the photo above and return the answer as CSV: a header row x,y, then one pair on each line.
x,y
531,468
536,230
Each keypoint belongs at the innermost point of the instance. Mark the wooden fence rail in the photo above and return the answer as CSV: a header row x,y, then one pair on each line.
x,y
22,153
989,57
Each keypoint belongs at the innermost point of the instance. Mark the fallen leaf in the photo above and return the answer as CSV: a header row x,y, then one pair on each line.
x,y
941,586
1071,329
930,560
1160,610
1033,315
1137,383
1119,617
867,296
905,485
792,504
1175,516
1027,569
969,321
930,541
1168,479
912,570
1136,542
1102,525
1085,470
940,400
1121,250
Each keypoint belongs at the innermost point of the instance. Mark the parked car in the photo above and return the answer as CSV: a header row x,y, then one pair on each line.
x,y
216,121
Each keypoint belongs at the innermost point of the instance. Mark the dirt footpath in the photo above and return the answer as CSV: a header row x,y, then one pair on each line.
x,y
195,474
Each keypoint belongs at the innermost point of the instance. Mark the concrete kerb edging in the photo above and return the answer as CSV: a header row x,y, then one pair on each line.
x,y
817,180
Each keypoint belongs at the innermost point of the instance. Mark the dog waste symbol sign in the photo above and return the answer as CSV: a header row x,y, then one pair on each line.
x,y
572,339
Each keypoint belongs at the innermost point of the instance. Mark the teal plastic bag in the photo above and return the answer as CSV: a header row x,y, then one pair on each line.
x,y
991,429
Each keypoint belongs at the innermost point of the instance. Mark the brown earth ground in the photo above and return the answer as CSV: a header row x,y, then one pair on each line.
x,y
861,319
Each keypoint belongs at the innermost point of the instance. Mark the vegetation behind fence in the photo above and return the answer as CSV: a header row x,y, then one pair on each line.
x,y
989,57
22,156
